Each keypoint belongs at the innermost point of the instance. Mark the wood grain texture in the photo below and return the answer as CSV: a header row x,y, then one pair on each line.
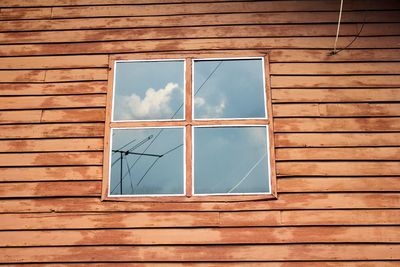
x,y
58,173
337,139
201,253
336,128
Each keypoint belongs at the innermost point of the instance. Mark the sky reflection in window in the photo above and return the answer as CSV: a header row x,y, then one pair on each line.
x,y
229,89
230,160
152,161
149,90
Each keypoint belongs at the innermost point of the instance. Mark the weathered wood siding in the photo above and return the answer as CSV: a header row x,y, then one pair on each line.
x,y
337,124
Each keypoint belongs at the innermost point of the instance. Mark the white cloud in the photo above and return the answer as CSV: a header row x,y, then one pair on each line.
x,y
206,110
154,105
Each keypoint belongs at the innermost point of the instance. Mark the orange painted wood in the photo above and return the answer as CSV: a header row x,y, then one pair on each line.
x,y
358,55
52,130
40,221
348,153
208,32
74,115
203,236
20,116
204,253
76,75
11,89
41,145
204,19
202,44
197,8
290,201
50,189
22,76
336,95
108,220
78,61
337,124
51,159
336,110
65,101
25,13
341,217
338,168
36,3
354,184
58,173
335,81
307,217
336,139
335,68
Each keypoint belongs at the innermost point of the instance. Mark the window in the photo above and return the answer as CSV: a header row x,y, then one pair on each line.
x,y
191,129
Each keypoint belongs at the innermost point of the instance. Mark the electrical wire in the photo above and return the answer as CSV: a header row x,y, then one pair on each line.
x,y
338,27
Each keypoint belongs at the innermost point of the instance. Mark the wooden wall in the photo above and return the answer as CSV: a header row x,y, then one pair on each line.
x,y
337,124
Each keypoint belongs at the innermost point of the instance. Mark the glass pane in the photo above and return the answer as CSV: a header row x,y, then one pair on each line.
x,y
149,90
147,161
229,89
229,160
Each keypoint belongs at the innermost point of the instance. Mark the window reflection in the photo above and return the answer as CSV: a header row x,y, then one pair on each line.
x,y
148,161
149,90
230,160
229,89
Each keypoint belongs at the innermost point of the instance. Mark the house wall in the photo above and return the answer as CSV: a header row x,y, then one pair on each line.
x,y
336,122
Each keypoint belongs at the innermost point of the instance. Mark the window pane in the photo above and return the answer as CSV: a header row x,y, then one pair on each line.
x,y
229,89
149,90
149,161
230,160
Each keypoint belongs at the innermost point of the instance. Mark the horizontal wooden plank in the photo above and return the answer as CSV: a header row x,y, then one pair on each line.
x,y
51,159
51,221
202,236
338,168
354,184
73,61
391,263
386,16
50,189
290,201
74,115
20,116
203,253
65,101
353,55
336,124
25,13
42,145
336,139
336,110
53,75
199,44
70,173
74,36
37,3
335,81
305,217
113,220
52,130
348,153
22,75
76,75
335,68
18,89
201,8
336,95
52,115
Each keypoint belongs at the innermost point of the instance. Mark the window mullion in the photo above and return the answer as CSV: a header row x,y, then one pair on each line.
x,y
189,130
